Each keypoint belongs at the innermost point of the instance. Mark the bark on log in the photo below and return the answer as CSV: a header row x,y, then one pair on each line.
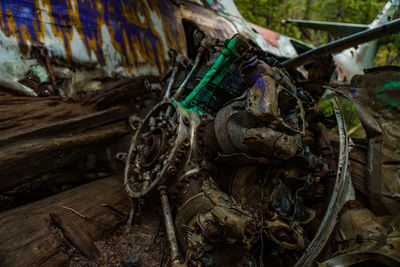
x,y
41,134
119,92
40,233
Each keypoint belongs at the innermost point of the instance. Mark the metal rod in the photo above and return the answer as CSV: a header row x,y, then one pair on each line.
x,y
171,82
169,226
344,43
338,27
183,85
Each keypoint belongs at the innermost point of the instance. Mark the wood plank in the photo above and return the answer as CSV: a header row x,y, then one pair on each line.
x,y
75,235
29,237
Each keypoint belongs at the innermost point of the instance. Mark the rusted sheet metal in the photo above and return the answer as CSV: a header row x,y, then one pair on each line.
x,y
124,37
222,25
376,96
88,40
207,21
276,44
366,233
267,34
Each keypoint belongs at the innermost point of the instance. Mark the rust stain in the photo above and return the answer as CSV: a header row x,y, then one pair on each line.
x,y
139,31
270,36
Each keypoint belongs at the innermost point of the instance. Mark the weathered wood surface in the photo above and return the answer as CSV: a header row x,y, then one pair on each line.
x,y
41,233
119,92
41,134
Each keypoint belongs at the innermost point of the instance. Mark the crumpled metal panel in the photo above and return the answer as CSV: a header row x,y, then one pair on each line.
x,y
366,232
223,26
125,37
377,98
276,44
208,21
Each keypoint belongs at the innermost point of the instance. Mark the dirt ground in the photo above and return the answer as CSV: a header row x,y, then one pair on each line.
x,y
142,244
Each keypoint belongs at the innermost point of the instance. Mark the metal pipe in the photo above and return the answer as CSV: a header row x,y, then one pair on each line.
x,y
338,27
171,82
342,44
169,226
183,85
207,77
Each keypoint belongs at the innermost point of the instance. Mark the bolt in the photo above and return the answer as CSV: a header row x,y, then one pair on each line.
x,y
172,170
121,156
162,189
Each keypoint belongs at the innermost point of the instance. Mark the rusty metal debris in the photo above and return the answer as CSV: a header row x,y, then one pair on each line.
x,y
346,42
341,194
240,164
233,152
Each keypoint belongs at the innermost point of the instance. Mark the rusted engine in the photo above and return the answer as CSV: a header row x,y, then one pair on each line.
x,y
232,157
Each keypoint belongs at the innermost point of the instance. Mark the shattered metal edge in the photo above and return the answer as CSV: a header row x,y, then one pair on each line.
x,y
339,194
343,43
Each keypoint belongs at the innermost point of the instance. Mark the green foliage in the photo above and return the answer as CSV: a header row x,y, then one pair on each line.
x,y
351,117
271,13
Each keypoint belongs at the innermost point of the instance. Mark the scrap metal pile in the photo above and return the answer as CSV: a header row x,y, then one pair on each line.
x,y
229,149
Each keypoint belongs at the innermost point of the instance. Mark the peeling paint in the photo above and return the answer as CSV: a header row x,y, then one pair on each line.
x,y
74,30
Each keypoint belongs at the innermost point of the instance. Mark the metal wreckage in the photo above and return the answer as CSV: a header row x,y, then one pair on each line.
x,y
234,149
244,158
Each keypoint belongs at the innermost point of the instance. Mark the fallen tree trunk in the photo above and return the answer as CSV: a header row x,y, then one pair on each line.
x,y
41,232
22,161
41,134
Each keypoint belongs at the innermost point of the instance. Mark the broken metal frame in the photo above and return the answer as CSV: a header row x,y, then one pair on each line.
x,y
344,43
339,197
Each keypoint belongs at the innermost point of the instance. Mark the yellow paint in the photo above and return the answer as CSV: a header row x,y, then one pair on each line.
x,y
134,46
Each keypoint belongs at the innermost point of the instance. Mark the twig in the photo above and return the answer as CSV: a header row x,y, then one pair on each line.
x,y
76,212
162,254
354,129
86,218
168,260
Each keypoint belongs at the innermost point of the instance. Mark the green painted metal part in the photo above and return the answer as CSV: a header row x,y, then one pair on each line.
x,y
205,88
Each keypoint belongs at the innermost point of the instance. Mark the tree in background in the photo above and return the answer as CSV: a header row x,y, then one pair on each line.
x,y
271,13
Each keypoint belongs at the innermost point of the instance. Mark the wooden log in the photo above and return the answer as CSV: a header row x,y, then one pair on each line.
x,y
22,161
19,114
42,232
121,91
40,134
74,234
